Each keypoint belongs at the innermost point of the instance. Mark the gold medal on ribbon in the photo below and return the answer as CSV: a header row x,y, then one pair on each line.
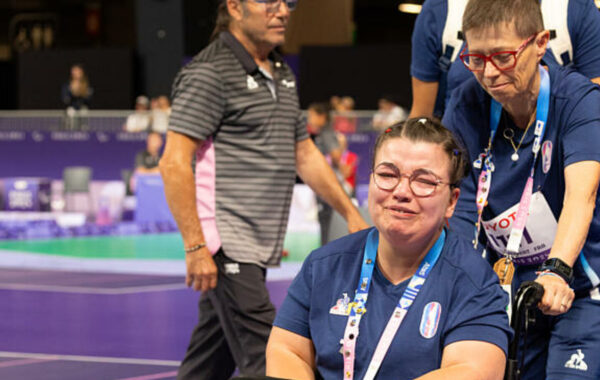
x,y
505,270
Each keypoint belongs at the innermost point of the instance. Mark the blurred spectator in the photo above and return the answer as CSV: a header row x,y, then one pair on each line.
x,y
347,166
48,36
76,96
161,109
37,37
21,41
146,161
77,93
334,102
389,113
141,119
326,141
344,121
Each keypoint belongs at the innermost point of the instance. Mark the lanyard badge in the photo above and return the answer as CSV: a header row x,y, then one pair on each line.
x,y
358,306
485,160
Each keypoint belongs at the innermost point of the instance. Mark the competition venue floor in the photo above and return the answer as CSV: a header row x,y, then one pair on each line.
x,y
104,307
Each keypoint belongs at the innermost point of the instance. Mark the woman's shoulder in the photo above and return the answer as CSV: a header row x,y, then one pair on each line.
x,y
350,245
568,84
466,262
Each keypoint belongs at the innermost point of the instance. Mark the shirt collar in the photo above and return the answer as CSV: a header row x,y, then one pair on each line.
x,y
243,56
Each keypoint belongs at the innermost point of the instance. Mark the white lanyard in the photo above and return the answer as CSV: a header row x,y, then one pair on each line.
x,y
358,308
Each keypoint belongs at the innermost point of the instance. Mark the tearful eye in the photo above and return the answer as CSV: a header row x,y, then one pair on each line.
x,y
387,175
426,181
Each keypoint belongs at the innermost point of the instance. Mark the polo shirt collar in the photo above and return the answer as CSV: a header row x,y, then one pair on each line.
x,y
242,54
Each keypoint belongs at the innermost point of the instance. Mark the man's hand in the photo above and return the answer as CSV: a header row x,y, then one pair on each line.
x,y
558,296
356,223
201,270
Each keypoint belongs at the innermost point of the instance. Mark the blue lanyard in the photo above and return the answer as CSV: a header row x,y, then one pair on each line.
x,y
485,158
404,303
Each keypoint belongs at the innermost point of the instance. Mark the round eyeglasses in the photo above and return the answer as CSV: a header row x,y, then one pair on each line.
x,y
273,5
421,182
502,60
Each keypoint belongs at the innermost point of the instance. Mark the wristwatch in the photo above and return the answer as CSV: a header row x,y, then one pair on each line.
x,y
556,265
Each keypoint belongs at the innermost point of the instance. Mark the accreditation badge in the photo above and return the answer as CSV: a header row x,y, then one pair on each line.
x,y
538,235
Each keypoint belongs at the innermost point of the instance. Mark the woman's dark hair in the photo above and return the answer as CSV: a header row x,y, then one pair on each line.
x,y
423,129
223,20
321,108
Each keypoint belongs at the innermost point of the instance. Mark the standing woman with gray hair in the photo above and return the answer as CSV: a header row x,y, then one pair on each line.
x,y
532,135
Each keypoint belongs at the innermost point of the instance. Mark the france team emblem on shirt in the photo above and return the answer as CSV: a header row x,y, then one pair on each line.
x,y
430,319
342,306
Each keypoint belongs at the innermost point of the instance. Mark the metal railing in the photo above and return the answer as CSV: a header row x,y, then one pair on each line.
x,y
115,120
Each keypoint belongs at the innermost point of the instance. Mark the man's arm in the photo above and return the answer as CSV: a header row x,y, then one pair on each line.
x,y
596,80
470,360
581,187
180,191
424,96
290,356
316,173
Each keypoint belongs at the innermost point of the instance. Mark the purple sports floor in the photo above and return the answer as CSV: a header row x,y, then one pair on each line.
x,y
74,325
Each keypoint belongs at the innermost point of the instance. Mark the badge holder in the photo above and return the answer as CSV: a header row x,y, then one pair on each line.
x,y
505,269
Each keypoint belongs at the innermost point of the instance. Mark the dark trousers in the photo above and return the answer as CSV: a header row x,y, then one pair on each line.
x,y
325,213
234,324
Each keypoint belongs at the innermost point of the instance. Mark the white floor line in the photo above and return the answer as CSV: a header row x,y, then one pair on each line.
x,y
91,290
90,359
30,260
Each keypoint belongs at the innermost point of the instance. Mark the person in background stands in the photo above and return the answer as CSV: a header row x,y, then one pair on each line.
x,y
141,120
321,132
161,109
76,96
344,121
77,93
146,161
389,113
347,166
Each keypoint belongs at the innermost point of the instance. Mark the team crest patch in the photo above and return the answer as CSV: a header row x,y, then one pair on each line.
x,y
430,319
546,156
342,306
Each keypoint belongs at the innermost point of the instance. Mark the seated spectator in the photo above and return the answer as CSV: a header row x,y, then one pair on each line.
x,y
405,298
161,110
344,121
141,119
146,161
389,113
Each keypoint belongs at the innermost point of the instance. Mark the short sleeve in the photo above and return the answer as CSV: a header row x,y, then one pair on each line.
x,y
294,312
579,140
198,103
427,43
584,30
301,130
479,313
